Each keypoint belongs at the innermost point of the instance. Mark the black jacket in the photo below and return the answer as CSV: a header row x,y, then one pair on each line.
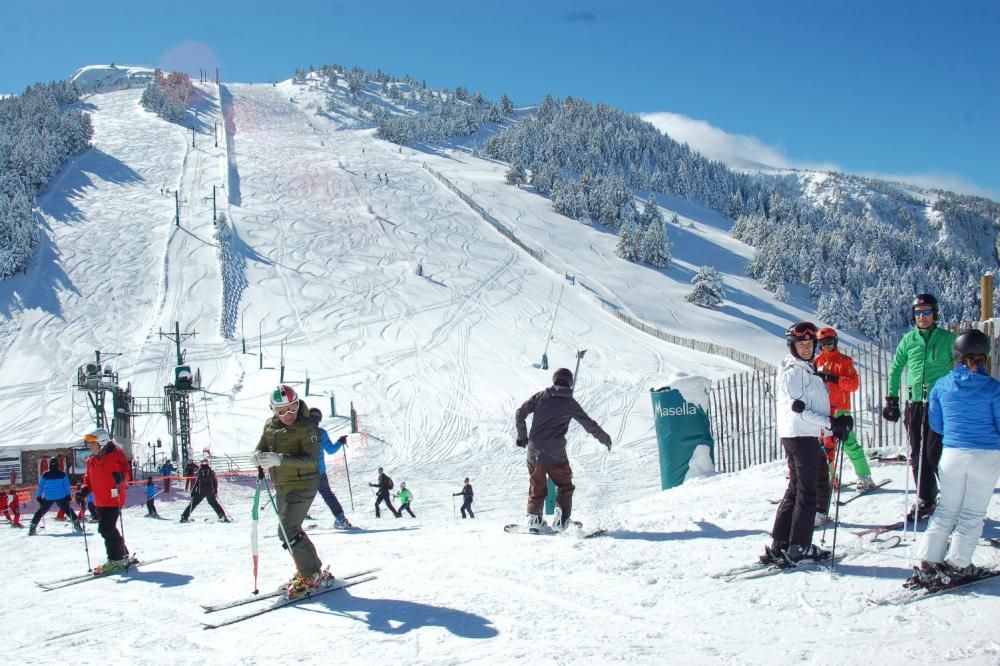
x,y
205,482
553,409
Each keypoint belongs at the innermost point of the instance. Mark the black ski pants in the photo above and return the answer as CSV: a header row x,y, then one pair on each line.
x,y
467,506
107,527
327,494
405,507
45,504
925,444
793,523
383,496
196,500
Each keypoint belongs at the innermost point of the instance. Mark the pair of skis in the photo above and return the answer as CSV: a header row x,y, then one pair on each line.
x,y
83,578
908,596
332,586
764,569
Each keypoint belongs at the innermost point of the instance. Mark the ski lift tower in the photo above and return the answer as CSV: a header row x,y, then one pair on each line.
x,y
178,397
95,379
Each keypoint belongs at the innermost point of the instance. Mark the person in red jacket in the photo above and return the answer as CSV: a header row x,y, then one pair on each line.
x,y
836,369
11,505
107,478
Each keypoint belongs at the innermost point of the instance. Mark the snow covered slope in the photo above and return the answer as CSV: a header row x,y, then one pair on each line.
x,y
323,258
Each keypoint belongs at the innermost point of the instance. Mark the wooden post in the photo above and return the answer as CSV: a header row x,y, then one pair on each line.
x,y
986,284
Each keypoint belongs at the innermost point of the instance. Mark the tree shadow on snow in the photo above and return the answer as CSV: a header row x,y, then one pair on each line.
x,y
36,286
396,616
707,531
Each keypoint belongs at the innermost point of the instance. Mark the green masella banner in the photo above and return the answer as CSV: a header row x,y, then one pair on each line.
x,y
681,428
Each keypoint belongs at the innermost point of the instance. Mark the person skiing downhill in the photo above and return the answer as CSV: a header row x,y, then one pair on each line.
x,y
289,450
405,497
925,352
803,407
964,409
552,409
340,521
53,488
205,487
836,369
107,478
150,499
384,485
466,493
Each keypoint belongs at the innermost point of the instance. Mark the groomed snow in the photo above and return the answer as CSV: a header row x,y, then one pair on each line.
x,y
435,365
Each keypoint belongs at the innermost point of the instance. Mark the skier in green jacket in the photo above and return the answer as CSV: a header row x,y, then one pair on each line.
x,y
925,352
405,497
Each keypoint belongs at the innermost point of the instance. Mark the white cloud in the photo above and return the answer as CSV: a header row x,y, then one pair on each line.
x,y
742,151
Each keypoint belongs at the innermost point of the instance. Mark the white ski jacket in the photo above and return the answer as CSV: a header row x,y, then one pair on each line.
x,y
798,381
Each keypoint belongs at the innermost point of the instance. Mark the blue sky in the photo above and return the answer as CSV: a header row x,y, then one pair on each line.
x,y
906,89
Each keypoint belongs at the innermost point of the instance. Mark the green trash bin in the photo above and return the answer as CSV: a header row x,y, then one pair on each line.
x,y
683,432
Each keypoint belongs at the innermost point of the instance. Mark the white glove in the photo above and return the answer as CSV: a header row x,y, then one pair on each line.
x,y
265,459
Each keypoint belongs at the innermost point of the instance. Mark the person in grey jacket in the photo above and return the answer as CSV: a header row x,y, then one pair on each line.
x,y
553,409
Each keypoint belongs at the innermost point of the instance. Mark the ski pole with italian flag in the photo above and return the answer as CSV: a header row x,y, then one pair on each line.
x,y
254,519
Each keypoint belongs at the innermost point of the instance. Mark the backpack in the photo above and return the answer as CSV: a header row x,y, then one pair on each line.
x,y
388,482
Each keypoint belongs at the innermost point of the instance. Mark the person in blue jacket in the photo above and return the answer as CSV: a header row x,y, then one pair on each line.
x,y
150,494
965,409
167,472
328,446
53,488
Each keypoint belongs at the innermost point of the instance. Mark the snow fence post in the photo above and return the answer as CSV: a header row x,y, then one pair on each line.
x,y
683,432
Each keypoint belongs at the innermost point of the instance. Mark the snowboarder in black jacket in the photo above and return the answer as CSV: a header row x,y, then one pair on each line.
x,y
466,494
553,409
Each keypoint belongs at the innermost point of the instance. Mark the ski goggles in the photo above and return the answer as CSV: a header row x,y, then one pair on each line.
x,y
805,330
923,312
287,409
91,439
828,342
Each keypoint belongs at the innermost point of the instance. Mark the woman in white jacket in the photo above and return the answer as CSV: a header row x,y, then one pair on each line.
x,y
803,408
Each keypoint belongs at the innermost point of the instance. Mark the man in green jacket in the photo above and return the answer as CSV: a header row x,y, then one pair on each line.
x,y
289,449
925,352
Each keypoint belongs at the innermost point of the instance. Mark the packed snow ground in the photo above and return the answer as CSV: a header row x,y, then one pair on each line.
x,y
323,265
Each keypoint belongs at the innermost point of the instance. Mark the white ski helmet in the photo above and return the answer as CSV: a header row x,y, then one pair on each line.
x,y
100,435
283,395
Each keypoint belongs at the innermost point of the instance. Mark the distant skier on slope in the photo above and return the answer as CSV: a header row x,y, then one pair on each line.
x,y
289,450
205,487
340,521
553,409
384,485
803,407
466,493
53,488
405,497
151,499
964,409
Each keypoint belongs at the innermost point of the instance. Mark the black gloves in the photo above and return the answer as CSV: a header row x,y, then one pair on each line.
x,y
342,440
891,410
827,377
607,443
38,500
522,443
841,426
798,406
118,478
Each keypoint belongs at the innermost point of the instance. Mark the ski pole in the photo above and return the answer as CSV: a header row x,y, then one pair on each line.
x,y
281,525
836,510
906,486
921,454
348,471
453,507
86,546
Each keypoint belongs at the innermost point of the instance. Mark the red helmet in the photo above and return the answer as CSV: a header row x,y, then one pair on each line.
x,y
827,334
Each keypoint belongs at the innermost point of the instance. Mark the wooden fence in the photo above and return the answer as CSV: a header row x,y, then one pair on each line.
x,y
742,408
